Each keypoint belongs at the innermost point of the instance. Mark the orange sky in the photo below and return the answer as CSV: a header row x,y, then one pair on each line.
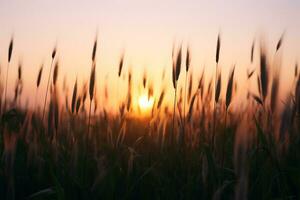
x,y
146,30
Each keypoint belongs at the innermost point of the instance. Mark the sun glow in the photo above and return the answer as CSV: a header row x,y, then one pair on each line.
x,y
145,102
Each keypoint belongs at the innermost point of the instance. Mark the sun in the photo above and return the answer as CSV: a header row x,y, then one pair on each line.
x,y
145,103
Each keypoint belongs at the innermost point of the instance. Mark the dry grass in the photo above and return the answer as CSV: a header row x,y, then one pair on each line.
x,y
218,149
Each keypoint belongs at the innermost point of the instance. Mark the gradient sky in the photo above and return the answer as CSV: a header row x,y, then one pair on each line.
x,y
146,30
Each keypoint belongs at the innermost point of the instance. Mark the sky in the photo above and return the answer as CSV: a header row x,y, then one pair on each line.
x,y
145,31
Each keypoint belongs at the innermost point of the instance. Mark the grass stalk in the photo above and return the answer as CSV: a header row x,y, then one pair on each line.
x,y
174,113
45,101
6,79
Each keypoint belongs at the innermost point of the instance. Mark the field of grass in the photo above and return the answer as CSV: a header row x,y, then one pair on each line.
x,y
197,148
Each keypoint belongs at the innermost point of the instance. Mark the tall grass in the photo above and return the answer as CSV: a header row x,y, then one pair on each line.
x,y
234,147
217,88
49,76
175,72
187,67
10,50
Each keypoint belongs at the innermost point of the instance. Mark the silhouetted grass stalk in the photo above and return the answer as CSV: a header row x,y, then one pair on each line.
x,y
216,77
89,119
92,82
187,65
214,109
10,49
6,86
184,101
175,76
48,82
52,56
174,113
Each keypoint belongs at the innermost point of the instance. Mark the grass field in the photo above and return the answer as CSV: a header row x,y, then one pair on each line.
x,y
199,147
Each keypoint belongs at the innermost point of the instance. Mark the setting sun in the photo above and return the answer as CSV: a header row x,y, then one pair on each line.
x,y
145,103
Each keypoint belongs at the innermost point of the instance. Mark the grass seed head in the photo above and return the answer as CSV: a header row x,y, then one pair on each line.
x,y
174,76
55,73
178,63
218,88
144,79
78,103
279,43
161,98
264,73
92,82
229,88
250,73
53,53
74,96
121,63
20,71
218,48
188,59
296,70
38,81
190,87
252,51
94,50
10,49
